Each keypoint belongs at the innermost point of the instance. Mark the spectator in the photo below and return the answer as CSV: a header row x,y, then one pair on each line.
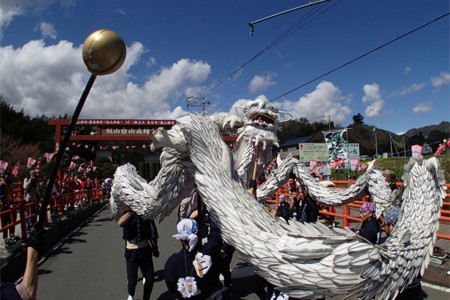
x,y
83,189
141,242
370,228
297,207
293,185
390,178
7,202
107,184
69,185
304,208
42,184
414,290
283,209
312,210
192,273
31,195
27,289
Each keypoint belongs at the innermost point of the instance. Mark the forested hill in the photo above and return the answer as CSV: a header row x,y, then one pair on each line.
x,y
34,132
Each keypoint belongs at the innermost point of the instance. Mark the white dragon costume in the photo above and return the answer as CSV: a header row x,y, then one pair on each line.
x,y
302,260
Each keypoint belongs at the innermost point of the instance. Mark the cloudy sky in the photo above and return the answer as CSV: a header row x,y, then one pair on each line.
x,y
328,61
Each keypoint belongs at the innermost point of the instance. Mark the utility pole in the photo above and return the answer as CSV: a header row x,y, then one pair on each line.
x,y
376,142
390,140
197,102
404,139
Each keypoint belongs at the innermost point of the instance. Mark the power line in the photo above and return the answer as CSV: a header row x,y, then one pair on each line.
x,y
310,16
364,55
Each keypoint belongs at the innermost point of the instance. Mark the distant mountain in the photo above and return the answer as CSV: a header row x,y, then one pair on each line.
x,y
425,131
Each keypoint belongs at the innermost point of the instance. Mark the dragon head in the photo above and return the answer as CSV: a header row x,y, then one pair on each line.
x,y
262,121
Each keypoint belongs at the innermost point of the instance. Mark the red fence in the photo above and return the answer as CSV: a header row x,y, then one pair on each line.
x,y
345,217
65,204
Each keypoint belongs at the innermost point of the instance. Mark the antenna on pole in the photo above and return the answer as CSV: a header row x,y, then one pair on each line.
x,y
197,102
252,24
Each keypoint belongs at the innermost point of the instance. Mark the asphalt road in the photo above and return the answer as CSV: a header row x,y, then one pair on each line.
x,y
90,265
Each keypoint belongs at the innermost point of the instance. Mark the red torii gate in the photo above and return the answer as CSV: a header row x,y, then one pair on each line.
x,y
115,130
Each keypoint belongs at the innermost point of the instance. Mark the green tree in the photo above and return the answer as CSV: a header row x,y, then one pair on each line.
x,y
299,128
358,119
15,153
435,138
416,140
24,129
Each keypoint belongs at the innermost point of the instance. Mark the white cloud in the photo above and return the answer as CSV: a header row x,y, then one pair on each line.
x,y
48,30
442,79
372,97
49,80
151,61
122,11
9,9
415,87
325,101
422,107
260,83
407,70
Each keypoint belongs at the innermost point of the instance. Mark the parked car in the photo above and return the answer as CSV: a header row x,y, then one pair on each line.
x,y
364,157
427,149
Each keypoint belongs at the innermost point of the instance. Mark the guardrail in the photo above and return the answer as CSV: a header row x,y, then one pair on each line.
x,y
345,216
65,204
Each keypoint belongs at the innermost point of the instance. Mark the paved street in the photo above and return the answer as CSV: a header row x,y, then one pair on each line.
x,y
90,265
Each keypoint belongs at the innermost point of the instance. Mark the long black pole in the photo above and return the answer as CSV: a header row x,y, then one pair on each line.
x,y
252,24
286,11
61,150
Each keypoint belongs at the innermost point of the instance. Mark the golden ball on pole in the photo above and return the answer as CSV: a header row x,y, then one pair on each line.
x,y
104,52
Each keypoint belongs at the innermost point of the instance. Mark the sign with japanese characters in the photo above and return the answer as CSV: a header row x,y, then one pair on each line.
x,y
313,151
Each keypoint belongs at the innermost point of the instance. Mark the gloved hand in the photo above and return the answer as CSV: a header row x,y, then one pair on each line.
x,y
156,252
202,264
36,239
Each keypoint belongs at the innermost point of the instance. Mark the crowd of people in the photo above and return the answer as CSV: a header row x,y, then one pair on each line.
x,y
194,271
72,187
7,201
34,188
297,204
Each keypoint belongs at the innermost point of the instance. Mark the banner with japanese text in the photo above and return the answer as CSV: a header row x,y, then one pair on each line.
x,y
335,142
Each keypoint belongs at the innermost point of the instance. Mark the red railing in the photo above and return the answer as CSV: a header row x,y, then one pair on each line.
x,y
345,216
21,211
